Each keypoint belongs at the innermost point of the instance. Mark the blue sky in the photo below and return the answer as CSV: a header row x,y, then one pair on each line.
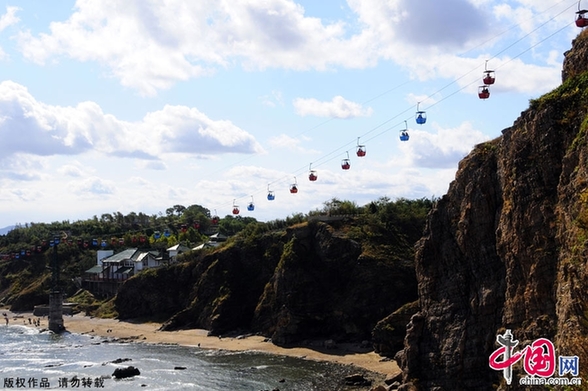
x,y
138,105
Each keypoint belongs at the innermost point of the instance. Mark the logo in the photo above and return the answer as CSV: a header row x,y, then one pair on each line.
x,y
539,362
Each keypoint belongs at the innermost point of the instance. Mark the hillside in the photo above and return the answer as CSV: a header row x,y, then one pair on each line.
x,y
332,274
506,247
314,280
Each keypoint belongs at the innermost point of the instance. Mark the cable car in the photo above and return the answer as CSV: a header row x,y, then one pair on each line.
x,y
166,233
581,20
157,235
270,194
420,116
488,75
360,149
235,208
312,176
95,242
215,219
483,92
104,244
404,133
345,163
251,206
294,187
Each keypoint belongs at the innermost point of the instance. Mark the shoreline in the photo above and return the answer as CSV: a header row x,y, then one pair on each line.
x,y
148,332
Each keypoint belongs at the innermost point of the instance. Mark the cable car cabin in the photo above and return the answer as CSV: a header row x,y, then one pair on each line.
x,y
235,210
294,189
166,233
312,176
581,20
271,196
404,135
345,164
483,92
420,117
251,207
214,220
360,151
157,234
489,77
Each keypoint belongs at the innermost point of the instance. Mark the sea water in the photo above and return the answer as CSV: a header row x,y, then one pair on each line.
x,y
30,359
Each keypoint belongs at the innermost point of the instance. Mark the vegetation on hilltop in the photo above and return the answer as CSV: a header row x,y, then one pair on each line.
x,y
25,252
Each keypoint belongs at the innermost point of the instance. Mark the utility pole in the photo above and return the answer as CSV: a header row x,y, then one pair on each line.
x,y
55,298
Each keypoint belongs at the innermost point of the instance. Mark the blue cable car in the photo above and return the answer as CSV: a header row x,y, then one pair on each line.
x,y
157,235
404,133
270,194
420,116
166,233
251,206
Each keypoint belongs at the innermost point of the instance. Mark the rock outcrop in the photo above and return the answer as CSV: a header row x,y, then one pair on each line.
x,y
507,247
307,282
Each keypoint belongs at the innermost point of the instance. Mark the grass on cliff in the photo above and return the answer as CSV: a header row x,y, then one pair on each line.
x,y
89,305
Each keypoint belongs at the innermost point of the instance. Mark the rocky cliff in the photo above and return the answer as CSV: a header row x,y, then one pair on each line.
x,y
507,247
311,281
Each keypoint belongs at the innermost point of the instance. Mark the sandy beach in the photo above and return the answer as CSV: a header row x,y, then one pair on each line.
x,y
348,354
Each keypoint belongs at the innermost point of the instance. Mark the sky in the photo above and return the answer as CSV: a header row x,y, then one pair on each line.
x,y
109,106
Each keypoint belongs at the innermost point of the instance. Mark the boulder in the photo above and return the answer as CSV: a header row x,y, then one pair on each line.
x,y
122,373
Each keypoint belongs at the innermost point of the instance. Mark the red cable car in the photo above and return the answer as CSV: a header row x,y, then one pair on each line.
x,y
489,77
581,20
235,208
483,92
312,176
345,163
360,149
294,187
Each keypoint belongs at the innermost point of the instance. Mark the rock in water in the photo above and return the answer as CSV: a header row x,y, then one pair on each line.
x,y
122,373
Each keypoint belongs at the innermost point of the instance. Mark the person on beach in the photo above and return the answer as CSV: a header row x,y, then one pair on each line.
x,y
6,319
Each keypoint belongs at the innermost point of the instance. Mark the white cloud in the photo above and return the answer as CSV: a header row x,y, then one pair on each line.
x,y
283,141
9,18
31,127
272,100
339,107
92,186
149,46
71,170
443,149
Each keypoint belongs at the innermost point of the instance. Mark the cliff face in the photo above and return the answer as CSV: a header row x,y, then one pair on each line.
x,y
306,282
507,247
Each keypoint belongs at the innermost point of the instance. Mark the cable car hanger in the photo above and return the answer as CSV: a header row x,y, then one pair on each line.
x,y
345,163
581,20
294,187
270,194
312,176
420,116
360,149
404,133
489,77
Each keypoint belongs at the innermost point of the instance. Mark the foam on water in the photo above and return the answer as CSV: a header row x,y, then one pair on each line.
x,y
28,354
